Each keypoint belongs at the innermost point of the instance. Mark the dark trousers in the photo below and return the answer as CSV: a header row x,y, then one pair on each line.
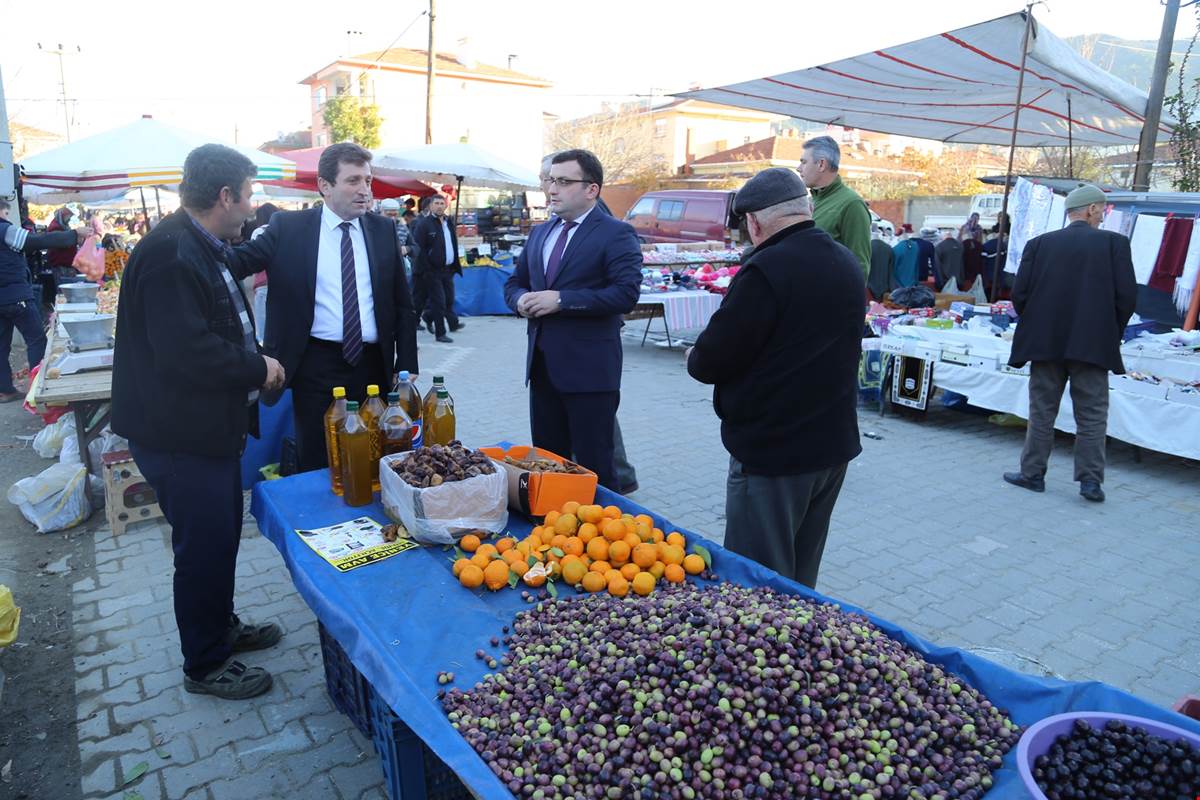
x,y
781,521
440,305
625,473
579,423
26,317
1089,398
322,367
201,497
420,293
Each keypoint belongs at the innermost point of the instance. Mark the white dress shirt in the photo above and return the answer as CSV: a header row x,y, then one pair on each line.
x,y
552,237
327,314
451,256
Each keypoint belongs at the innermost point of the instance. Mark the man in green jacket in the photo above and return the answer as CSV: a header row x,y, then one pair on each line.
x,y
837,209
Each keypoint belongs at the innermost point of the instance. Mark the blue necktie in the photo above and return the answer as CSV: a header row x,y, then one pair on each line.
x,y
556,253
352,343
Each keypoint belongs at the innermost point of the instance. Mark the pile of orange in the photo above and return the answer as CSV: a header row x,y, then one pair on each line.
x,y
590,547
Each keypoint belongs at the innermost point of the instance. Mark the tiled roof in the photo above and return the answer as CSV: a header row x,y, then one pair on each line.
x,y
404,57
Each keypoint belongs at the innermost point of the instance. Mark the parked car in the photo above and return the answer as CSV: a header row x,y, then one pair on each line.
x,y
987,206
685,215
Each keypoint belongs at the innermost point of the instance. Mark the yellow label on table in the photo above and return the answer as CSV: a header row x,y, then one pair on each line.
x,y
354,543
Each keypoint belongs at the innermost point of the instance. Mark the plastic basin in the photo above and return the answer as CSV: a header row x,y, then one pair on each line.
x,y
1038,738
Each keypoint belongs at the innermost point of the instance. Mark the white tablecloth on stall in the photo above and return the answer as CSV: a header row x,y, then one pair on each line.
x,y
684,310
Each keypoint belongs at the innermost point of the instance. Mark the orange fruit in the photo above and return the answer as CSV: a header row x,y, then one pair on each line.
x,y
551,517
487,548
597,549
618,586
657,569
548,535
674,573
505,544
481,560
519,567
512,556
471,576
534,580
496,575
618,552
573,546
613,530
672,554
693,564
469,543
644,555
566,524
630,525
458,566
558,541
570,507
612,512
587,532
593,582
629,571
632,539
644,531
656,535
592,514
612,572
643,583
644,518
602,567
573,572
676,538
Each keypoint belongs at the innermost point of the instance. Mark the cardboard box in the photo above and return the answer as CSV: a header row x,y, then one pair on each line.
x,y
941,300
537,493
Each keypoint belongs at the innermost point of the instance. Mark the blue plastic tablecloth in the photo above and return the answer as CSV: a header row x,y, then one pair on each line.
x,y
274,423
480,290
403,620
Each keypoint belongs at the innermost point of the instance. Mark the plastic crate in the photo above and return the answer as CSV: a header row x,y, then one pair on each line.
x,y
410,768
347,688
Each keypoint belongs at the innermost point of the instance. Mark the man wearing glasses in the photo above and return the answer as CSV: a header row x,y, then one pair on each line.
x,y
577,276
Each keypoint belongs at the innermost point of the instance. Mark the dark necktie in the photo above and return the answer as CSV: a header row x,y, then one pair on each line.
x,y
351,324
556,253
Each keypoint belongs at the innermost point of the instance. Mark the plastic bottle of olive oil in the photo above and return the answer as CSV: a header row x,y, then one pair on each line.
x,y
354,448
371,412
333,420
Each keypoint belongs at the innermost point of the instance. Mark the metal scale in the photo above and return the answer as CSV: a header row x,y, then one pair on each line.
x,y
89,342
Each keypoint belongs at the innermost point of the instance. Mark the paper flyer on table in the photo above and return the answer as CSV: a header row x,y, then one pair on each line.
x,y
354,543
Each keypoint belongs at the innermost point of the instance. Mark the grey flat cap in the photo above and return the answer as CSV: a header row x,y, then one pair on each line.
x,y
769,187
1085,195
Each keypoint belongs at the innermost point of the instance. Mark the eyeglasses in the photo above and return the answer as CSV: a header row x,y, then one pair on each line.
x,y
564,182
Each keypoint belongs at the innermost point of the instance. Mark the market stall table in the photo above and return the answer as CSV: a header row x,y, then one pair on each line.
x,y
480,290
402,620
688,309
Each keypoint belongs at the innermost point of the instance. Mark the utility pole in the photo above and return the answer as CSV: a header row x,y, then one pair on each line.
x,y
62,82
1158,86
430,75
8,176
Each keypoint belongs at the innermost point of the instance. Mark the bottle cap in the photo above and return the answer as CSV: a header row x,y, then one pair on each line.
x,y
372,390
351,405
339,391
439,379
393,397
404,375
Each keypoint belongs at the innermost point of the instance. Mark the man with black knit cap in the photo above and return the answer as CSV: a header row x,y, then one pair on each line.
x,y
782,353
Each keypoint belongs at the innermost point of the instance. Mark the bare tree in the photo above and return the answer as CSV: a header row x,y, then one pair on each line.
x,y
623,139
1084,163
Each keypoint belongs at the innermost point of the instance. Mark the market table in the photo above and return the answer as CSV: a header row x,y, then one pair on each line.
x,y
87,394
687,309
402,620
480,290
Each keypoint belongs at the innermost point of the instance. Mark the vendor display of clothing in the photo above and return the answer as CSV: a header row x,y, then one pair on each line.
x,y
880,278
1168,266
904,270
948,259
972,260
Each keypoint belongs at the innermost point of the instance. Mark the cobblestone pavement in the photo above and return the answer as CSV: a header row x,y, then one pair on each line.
x,y
925,534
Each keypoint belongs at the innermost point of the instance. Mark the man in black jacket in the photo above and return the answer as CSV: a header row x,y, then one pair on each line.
x,y
186,377
1075,291
783,352
437,262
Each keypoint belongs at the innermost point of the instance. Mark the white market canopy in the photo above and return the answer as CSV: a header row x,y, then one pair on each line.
x,y
144,153
454,162
959,87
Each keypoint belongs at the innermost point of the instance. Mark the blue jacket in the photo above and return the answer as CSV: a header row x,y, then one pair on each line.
x,y
598,280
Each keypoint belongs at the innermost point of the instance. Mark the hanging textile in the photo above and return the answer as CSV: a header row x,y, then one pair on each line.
x,y
1186,285
1145,243
1168,266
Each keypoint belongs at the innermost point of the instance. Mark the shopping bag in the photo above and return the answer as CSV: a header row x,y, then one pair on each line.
x,y
55,499
89,259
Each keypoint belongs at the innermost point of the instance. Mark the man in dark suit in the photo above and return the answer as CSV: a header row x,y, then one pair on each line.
x,y
577,276
1075,291
437,259
339,312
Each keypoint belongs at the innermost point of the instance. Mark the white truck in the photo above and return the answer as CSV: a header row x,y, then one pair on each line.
x,y
986,205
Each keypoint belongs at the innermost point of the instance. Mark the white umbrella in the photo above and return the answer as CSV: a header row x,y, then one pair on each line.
x,y
459,162
142,154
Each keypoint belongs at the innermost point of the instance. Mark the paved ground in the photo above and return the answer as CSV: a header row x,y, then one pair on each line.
x,y
925,534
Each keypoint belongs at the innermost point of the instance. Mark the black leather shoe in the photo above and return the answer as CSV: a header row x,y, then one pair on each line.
x,y
458,327
1025,482
445,339
1090,490
429,326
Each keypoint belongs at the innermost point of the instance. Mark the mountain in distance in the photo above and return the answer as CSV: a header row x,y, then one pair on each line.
x,y
1132,60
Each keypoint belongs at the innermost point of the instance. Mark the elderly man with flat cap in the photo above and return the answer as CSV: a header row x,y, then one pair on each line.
x,y
782,354
1075,291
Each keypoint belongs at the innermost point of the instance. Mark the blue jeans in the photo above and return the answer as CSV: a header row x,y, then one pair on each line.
x,y
26,317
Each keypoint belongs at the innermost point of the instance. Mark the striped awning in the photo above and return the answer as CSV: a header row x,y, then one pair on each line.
x,y
145,153
960,87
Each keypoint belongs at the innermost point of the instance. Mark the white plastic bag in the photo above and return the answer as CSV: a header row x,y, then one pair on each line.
x,y
55,499
444,514
70,450
49,440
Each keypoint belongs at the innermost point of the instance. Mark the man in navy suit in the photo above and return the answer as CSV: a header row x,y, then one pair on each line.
x,y
339,312
577,276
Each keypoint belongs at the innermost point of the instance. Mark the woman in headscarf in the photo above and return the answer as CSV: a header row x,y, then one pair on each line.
x,y
971,229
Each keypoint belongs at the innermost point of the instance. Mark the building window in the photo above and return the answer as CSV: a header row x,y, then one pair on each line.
x,y
660,128
319,98
320,140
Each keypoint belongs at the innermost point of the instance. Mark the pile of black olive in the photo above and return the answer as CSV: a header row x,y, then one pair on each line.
x,y
1117,761
438,464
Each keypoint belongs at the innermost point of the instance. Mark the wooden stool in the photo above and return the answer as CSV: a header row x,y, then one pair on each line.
x,y
127,496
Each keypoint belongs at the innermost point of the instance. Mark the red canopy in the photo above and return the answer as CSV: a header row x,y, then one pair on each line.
x,y
306,177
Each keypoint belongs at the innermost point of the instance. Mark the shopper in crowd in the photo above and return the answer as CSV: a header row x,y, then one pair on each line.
x,y
782,352
1075,292
186,379
19,307
837,209
339,316
575,280
626,474
971,229
62,259
435,245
